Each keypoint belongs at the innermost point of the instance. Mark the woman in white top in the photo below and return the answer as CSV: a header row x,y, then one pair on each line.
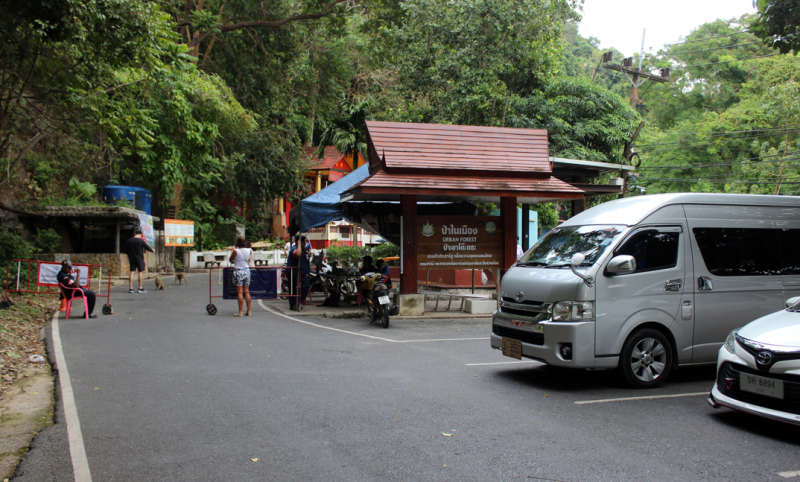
x,y
241,272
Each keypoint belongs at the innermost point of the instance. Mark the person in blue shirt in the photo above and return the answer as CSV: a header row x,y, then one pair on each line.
x,y
384,270
298,261
67,278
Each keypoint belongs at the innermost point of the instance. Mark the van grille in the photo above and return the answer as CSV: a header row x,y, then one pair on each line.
x,y
791,388
529,337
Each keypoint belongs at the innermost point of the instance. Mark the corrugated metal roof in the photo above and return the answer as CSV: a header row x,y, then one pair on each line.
x,y
330,157
489,151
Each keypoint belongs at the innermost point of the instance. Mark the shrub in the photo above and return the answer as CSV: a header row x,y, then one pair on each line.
x,y
12,246
47,241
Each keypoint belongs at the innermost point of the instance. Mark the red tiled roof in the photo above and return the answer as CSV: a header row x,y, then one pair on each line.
x,y
384,183
330,157
489,151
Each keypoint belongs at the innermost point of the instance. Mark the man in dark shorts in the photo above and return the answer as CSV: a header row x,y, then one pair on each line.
x,y
135,249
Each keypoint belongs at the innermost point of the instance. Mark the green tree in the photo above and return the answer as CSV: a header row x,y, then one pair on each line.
x,y
778,24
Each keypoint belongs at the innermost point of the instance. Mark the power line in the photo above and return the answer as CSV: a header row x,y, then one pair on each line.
x,y
709,38
727,139
708,50
712,181
722,133
726,163
729,61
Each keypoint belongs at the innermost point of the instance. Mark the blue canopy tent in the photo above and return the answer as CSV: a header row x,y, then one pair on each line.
x,y
323,207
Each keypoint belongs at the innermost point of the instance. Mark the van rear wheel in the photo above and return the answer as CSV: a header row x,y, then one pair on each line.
x,y
646,358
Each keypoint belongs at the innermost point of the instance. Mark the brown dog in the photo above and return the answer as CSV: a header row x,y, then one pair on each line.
x,y
180,278
159,283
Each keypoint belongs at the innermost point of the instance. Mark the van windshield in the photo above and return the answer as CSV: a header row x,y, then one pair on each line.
x,y
556,249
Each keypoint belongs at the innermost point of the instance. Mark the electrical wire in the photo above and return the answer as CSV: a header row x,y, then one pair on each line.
x,y
708,50
723,133
728,61
712,181
692,146
709,38
727,163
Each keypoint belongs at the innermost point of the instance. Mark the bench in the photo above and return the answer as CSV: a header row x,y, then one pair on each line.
x,y
210,260
439,294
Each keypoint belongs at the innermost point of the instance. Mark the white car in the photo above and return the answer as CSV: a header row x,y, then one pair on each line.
x,y
758,367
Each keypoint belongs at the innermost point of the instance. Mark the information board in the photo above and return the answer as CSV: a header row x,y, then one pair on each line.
x,y
178,232
459,242
146,225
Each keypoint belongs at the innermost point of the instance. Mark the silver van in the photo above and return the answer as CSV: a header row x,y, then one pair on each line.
x,y
650,283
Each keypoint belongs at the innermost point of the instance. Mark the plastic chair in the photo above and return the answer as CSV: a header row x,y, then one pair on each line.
x,y
69,295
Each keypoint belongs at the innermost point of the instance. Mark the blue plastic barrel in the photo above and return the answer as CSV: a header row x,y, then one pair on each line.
x,y
147,202
119,195
139,197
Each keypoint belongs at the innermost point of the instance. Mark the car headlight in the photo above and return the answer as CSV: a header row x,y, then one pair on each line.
x,y
573,311
730,342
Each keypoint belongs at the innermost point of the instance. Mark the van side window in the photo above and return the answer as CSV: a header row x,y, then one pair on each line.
x,y
790,250
652,249
738,251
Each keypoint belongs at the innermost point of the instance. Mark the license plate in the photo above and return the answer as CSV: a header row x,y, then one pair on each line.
x,y
384,300
763,386
512,348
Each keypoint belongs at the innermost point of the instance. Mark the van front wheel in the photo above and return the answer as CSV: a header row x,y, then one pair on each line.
x,y
646,358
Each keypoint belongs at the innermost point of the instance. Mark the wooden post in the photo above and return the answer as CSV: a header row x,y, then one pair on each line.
x,y
116,236
508,218
408,280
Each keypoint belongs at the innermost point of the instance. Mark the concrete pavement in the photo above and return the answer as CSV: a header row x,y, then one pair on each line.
x,y
166,392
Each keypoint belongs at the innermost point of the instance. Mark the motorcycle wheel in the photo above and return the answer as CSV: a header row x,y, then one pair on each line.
x,y
384,313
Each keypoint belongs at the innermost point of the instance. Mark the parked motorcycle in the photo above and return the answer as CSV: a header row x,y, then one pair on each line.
x,y
376,295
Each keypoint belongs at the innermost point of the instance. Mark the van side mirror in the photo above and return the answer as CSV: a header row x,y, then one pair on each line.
x,y
623,264
576,261
792,301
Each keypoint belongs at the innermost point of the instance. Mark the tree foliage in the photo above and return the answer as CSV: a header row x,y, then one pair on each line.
x,y
778,24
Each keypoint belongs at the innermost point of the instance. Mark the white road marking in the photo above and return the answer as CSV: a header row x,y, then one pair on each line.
x,y
652,397
80,465
501,363
485,338
789,475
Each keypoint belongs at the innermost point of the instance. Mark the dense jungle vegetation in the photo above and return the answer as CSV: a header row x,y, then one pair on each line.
x,y
212,100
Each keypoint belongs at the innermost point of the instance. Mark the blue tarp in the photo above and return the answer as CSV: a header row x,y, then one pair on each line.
x,y
323,207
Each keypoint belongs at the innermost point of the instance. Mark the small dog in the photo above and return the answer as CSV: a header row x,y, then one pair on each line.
x,y
180,278
159,283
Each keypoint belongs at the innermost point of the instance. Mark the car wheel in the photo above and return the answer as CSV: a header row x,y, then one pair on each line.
x,y
646,358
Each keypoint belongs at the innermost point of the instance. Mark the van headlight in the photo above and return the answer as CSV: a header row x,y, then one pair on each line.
x,y
573,311
730,342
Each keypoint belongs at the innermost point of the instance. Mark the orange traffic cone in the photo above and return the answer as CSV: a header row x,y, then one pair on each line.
x,y
63,305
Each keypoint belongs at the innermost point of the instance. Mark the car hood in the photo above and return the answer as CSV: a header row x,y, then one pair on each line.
x,y
540,284
779,329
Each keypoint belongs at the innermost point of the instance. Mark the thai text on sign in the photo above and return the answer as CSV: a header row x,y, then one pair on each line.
x,y
178,232
459,242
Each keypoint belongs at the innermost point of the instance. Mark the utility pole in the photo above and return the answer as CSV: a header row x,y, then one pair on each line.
x,y
636,77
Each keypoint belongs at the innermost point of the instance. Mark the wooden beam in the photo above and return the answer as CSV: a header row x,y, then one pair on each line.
x,y
408,278
466,192
508,216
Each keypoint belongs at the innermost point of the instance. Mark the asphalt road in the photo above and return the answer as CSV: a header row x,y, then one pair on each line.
x,y
165,392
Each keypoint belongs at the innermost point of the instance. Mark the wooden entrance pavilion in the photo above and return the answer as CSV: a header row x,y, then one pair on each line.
x,y
413,163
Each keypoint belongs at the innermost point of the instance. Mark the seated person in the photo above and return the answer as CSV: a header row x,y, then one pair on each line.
x,y
367,266
69,279
384,270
